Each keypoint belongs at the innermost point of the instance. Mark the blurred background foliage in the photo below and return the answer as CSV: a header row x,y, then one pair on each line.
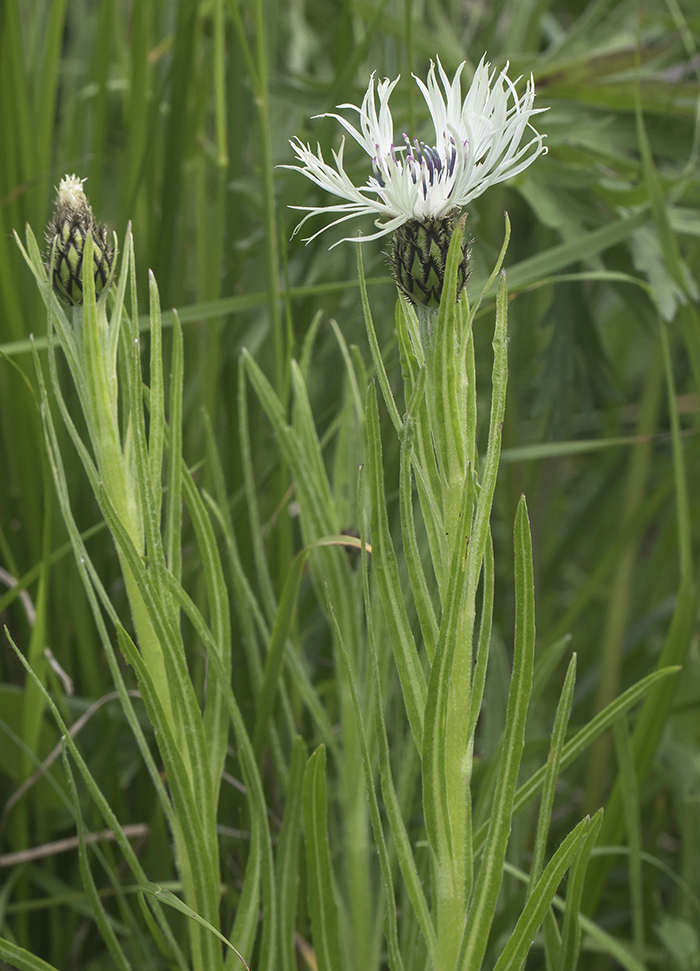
x,y
179,115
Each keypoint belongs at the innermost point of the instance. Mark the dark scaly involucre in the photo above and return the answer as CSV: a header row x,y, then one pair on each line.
x,y
419,257
65,238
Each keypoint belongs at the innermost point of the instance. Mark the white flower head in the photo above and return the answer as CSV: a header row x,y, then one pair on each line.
x,y
477,144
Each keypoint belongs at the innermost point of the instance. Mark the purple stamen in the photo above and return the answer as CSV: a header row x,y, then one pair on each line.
x,y
452,158
377,173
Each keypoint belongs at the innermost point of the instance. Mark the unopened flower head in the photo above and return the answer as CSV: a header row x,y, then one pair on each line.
x,y
477,143
65,238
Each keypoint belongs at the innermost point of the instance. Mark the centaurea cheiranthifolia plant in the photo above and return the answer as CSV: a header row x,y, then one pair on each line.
x,y
126,461
417,191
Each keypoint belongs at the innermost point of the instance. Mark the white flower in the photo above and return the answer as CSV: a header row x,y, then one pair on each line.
x,y
477,144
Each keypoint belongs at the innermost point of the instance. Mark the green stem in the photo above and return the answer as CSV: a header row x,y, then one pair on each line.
x,y
262,101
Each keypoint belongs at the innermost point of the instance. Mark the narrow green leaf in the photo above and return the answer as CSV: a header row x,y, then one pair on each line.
x,y
684,525
311,456
490,876
419,586
555,450
630,803
215,718
520,941
688,314
323,908
260,841
582,247
94,588
656,708
191,832
552,940
142,490
403,644
168,897
56,314
606,943
494,273
21,959
269,401
410,350
480,529
173,513
482,652
157,396
404,849
580,742
444,391
561,721
99,408
288,846
100,914
435,776
427,475
685,889
103,806
306,465
395,960
374,347
571,933
350,370
275,653
308,344
119,322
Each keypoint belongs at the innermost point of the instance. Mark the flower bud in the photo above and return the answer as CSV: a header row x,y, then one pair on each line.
x,y
65,238
419,257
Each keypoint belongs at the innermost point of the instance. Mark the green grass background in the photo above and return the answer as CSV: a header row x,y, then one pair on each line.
x,y
179,114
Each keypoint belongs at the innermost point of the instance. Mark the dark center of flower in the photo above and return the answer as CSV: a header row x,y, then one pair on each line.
x,y
424,163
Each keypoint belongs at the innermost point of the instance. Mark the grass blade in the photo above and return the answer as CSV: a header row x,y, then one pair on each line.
x,y
630,803
288,846
323,909
21,959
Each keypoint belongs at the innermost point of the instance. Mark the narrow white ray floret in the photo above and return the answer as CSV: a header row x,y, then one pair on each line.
x,y
477,144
